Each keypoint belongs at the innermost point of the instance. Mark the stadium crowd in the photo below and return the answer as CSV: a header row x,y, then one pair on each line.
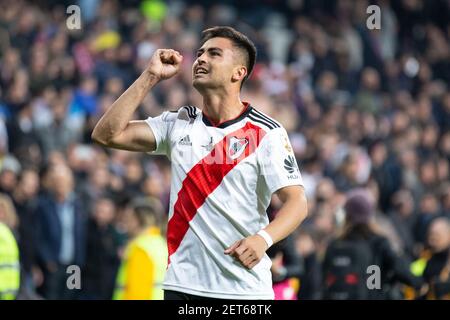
x,y
363,108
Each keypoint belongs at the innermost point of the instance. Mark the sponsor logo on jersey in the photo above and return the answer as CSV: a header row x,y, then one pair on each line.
x,y
209,146
237,146
185,141
291,167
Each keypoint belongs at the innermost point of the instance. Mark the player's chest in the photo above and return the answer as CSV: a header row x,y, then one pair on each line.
x,y
212,147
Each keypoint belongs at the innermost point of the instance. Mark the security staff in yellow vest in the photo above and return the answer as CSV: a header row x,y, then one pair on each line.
x,y
9,252
144,262
434,264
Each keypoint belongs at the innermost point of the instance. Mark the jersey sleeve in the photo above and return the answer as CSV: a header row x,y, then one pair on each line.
x,y
161,127
277,163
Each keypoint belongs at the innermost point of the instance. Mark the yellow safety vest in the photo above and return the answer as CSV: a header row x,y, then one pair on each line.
x,y
417,268
9,264
420,265
155,246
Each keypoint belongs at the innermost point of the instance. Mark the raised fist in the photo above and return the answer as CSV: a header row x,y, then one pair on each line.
x,y
165,63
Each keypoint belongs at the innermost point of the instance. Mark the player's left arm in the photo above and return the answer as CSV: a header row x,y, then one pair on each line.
x,y
293,211
249,251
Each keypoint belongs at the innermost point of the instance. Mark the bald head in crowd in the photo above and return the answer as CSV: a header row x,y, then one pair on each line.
x,y
439,234
60,181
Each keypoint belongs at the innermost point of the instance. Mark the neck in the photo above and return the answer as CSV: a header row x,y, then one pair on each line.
x,y
62,197
220,107
141,230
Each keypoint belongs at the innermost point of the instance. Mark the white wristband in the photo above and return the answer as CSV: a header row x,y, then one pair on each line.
x,y
266,237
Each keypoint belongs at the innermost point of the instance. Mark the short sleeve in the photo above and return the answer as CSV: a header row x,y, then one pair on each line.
x,y
277,163
161,127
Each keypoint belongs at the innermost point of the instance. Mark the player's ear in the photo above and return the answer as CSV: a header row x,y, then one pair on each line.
x,y
239,73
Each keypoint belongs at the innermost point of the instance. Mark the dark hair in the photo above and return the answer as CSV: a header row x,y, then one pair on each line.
x,y
239,40
359,231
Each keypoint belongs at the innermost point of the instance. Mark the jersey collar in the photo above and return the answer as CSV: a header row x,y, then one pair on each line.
x,y
248,108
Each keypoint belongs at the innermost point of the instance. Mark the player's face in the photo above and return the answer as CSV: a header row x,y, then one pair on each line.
x,y
216,62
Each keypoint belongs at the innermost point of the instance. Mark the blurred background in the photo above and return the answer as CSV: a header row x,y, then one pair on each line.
x,y
363,108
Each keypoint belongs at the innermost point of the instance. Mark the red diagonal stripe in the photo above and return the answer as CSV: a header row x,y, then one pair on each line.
x,y
204,178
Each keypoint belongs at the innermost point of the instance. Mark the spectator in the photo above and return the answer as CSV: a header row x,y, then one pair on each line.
x,y
9,252
311,278
102,252
429,209
360,246
22,136
362,107
25,201
145,259
404,218
445,199
437,270
60,232
9,172
287,267
57,135
385,171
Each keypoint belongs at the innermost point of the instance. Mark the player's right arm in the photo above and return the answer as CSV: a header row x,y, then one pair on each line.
x,y
115,129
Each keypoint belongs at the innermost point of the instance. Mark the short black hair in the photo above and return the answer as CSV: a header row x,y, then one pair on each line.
x,y
239,40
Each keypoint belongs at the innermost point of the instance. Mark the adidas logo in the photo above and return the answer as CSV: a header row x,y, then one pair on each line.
x,y
185,141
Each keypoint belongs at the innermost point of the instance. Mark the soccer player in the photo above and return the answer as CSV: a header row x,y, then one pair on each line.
x,y
227,159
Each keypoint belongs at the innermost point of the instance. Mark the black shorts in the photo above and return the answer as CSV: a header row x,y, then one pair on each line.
x,y
176,295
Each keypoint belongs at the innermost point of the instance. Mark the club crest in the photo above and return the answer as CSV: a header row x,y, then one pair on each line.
x,y
236,147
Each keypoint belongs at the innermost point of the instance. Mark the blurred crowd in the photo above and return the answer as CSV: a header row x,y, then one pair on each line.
x,y
363,108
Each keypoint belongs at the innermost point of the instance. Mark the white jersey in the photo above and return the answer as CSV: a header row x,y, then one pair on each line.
x,y
222,180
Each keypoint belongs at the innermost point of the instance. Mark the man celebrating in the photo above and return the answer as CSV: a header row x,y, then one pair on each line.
x,y
227,161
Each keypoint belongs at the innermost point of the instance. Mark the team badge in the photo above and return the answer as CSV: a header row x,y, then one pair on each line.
x,y
237,146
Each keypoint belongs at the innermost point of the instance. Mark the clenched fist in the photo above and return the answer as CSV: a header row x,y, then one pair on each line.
x,y
165,63
248,251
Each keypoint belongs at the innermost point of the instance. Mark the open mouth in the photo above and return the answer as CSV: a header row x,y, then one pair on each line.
x,y
200,70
